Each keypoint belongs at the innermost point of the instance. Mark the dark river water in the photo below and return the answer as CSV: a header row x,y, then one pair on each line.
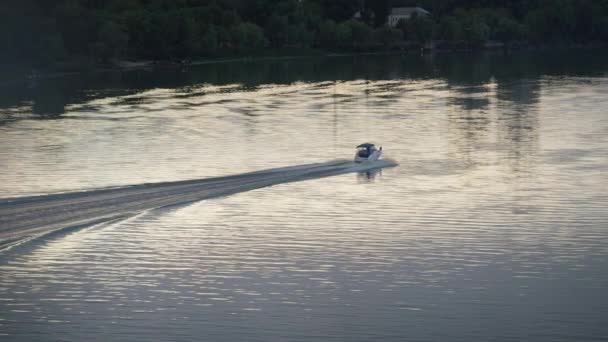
x,y
494,227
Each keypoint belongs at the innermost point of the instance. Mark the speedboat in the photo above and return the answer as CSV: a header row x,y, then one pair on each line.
x,y
367,152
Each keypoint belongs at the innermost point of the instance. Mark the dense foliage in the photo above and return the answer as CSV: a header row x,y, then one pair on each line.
x,y
43,31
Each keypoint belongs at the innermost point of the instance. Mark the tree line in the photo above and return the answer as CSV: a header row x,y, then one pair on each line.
x,y
45,32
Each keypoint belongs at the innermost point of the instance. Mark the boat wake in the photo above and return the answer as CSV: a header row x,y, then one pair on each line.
x,y
25,218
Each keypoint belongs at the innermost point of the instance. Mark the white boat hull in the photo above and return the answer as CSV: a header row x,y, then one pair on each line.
x,y
372,157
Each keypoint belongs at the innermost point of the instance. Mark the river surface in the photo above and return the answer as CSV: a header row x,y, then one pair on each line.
x,y
494,227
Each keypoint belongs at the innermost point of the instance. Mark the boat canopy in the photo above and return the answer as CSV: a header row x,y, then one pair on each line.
x,y
366,145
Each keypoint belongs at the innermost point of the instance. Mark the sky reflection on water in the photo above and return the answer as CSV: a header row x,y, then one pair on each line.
x,y
493,227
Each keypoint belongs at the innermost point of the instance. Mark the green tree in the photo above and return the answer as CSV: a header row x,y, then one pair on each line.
x,y
450,29
361,33
507,29
340,10
209,40
188,41
535,26
344,35
224,39
310,14
298,35
388,36
477,33
112,42
77,26
418,28
38,31
376,11
137,24
162,35
247,35
474,28
328,34
276,30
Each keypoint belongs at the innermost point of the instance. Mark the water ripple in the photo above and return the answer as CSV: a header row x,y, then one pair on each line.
x,y
493,227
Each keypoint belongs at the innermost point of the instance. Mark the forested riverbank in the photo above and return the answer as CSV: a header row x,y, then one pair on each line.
x,y
67,33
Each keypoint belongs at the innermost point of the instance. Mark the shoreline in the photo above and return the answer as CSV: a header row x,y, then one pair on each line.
x,y
74,68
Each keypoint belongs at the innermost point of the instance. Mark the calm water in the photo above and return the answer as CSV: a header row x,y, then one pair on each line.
x,y
493,228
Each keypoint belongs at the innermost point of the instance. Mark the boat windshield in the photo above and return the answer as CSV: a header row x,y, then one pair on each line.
x,y
362,152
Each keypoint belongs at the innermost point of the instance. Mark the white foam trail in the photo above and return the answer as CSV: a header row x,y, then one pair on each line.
x,y
28,217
